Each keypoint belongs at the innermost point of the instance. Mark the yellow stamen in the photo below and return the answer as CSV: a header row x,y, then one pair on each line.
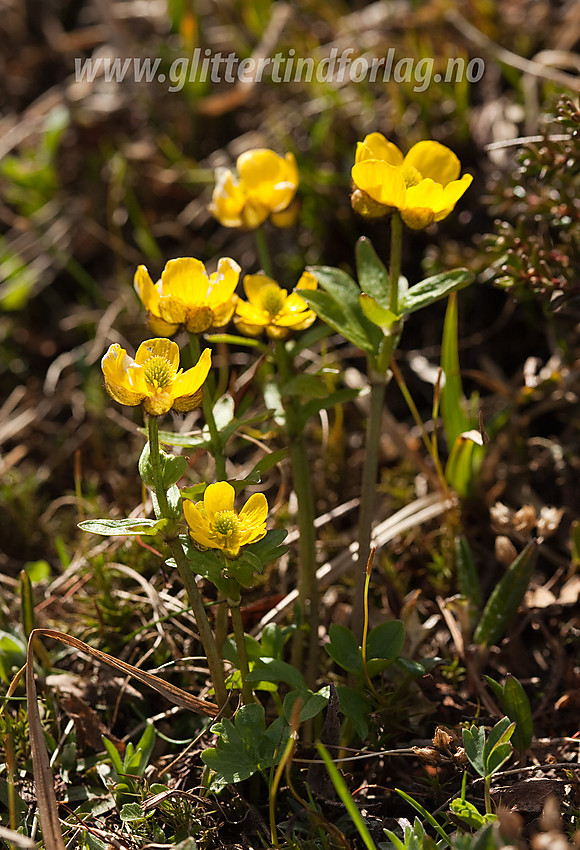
x,y
411,175
226,522
158,372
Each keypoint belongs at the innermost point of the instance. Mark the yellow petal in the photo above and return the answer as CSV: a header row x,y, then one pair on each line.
x,y
146,290
293,304
383,182
375,146
249,328
254,214
186,279
268,177
218,497
228,199
451,194
427,194
434,160
160,327
198,524
222,313
159,347
119,372
253,285
296,321
255,511
307,281
223,282
189,382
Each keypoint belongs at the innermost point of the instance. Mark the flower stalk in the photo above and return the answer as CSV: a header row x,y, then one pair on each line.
x,y
239,637
308,596
184,568
378,371
216,444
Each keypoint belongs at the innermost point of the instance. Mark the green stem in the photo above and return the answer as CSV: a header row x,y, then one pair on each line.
x,y
239,637
487,794
216,444
263,252
379,377
395,261
184,568
308,597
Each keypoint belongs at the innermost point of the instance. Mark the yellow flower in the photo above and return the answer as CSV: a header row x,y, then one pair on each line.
x,y
153,378
265,184
215,524
423,185
186,296
271,309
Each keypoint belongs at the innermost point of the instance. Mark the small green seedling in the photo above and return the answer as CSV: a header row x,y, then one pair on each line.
x,y
133,764
487,756
515,703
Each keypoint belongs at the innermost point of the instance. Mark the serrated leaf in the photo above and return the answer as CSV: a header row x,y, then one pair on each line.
x,y
433,289
123,527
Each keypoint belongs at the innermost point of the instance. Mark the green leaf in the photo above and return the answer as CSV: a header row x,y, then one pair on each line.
x,y
270,547
499,735
382,317
372,273
386,640
468,813
312,703
123,527
339,306
114,756
473,743
516,705
344,649
245,746
274,670
311,386
467,575
433,289
506,598
132,812
356,707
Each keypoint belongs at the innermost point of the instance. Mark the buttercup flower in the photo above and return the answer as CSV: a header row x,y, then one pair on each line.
x,y
186,296
269,307
215,524
153,378
423,185
265,185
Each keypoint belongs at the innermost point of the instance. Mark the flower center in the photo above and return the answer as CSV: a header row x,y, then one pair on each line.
x,y
158,372
226,523
411,175
199,318
272,299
